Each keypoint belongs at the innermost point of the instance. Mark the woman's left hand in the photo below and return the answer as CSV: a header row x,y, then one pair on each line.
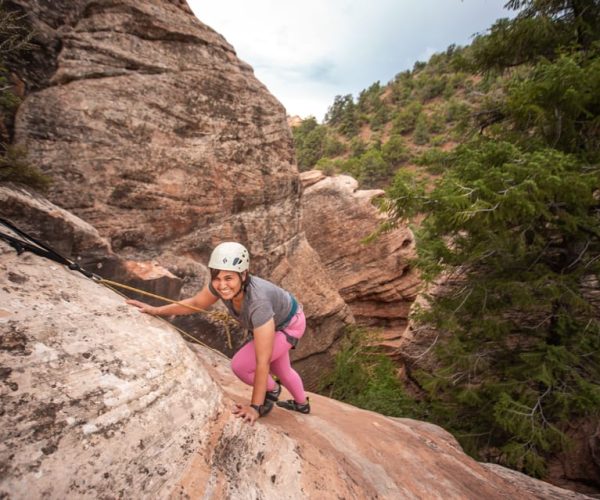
x,y
246,413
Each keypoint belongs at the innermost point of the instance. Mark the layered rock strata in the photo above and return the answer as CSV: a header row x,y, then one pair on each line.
x,y
79,242
375,279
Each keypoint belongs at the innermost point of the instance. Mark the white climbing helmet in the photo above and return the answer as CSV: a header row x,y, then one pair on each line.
x,y
230,256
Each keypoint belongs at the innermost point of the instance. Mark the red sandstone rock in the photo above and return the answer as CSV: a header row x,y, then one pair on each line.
x,y
99,400
375,279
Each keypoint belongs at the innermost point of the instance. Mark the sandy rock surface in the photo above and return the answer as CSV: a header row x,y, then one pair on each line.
x,y
101,401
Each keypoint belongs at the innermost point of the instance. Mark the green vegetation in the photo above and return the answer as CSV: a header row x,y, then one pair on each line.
x,y
388,125
343,115
14,41
517,212
314,142
15,168
366,378
513,212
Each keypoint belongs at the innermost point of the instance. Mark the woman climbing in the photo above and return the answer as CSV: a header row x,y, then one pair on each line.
x,y
273,316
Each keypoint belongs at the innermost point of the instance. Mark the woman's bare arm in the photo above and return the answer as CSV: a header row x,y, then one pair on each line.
x,y
202,300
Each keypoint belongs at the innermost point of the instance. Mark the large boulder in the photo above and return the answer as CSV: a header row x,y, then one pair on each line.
x,y
154,132
101,401
96,400
67,234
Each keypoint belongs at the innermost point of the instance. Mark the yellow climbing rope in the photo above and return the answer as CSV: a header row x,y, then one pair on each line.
x,y
223,318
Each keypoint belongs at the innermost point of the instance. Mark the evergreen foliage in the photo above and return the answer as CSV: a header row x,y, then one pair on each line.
x,y
313,142
406,119
523,355
543,29
515,217
14,167
394,151
421,135
558,104
343,115
373,168
355,134
366,378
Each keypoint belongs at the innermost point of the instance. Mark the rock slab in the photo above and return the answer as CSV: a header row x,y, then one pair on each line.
x,y
101,401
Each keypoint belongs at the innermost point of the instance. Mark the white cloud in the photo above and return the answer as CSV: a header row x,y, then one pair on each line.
x,y
308,52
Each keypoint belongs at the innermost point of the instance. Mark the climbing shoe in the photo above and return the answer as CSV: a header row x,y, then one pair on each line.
x,y
274,394
290,404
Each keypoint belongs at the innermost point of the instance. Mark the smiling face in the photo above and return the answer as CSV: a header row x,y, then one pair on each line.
x,y
227,284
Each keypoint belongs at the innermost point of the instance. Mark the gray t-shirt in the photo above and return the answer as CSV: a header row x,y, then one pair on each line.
x,y
262,301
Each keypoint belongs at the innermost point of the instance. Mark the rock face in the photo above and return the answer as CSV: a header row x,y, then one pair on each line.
x,y
90,390
375,279
578,467
160,137
101,401
66,233
78,241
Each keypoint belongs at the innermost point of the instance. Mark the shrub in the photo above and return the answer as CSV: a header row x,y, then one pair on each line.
x,y
438,140
406,118
14,167
352,167
434,159
457,111
433,86
373,168
357,147
327,166
366,378
421,135
394,151
309,140
436,122
333,147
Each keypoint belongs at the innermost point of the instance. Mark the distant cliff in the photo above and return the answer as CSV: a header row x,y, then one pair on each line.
x,y
375,279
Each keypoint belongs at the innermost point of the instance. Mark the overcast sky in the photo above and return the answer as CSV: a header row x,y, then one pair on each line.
x,y
308,51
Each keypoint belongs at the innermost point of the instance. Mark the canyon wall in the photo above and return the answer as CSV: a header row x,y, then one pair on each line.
x,y
155,133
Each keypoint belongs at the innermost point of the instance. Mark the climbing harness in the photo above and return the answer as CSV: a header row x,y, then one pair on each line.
x,y
27,243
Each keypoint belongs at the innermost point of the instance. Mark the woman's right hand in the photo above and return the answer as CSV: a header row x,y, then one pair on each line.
x,y
145,308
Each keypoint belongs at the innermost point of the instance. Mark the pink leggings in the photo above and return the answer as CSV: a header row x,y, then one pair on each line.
x,y
243,363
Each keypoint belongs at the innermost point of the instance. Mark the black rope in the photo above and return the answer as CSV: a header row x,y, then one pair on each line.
x,y
31,244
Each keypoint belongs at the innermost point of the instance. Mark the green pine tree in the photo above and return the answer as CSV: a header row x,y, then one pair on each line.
x,y
515,218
